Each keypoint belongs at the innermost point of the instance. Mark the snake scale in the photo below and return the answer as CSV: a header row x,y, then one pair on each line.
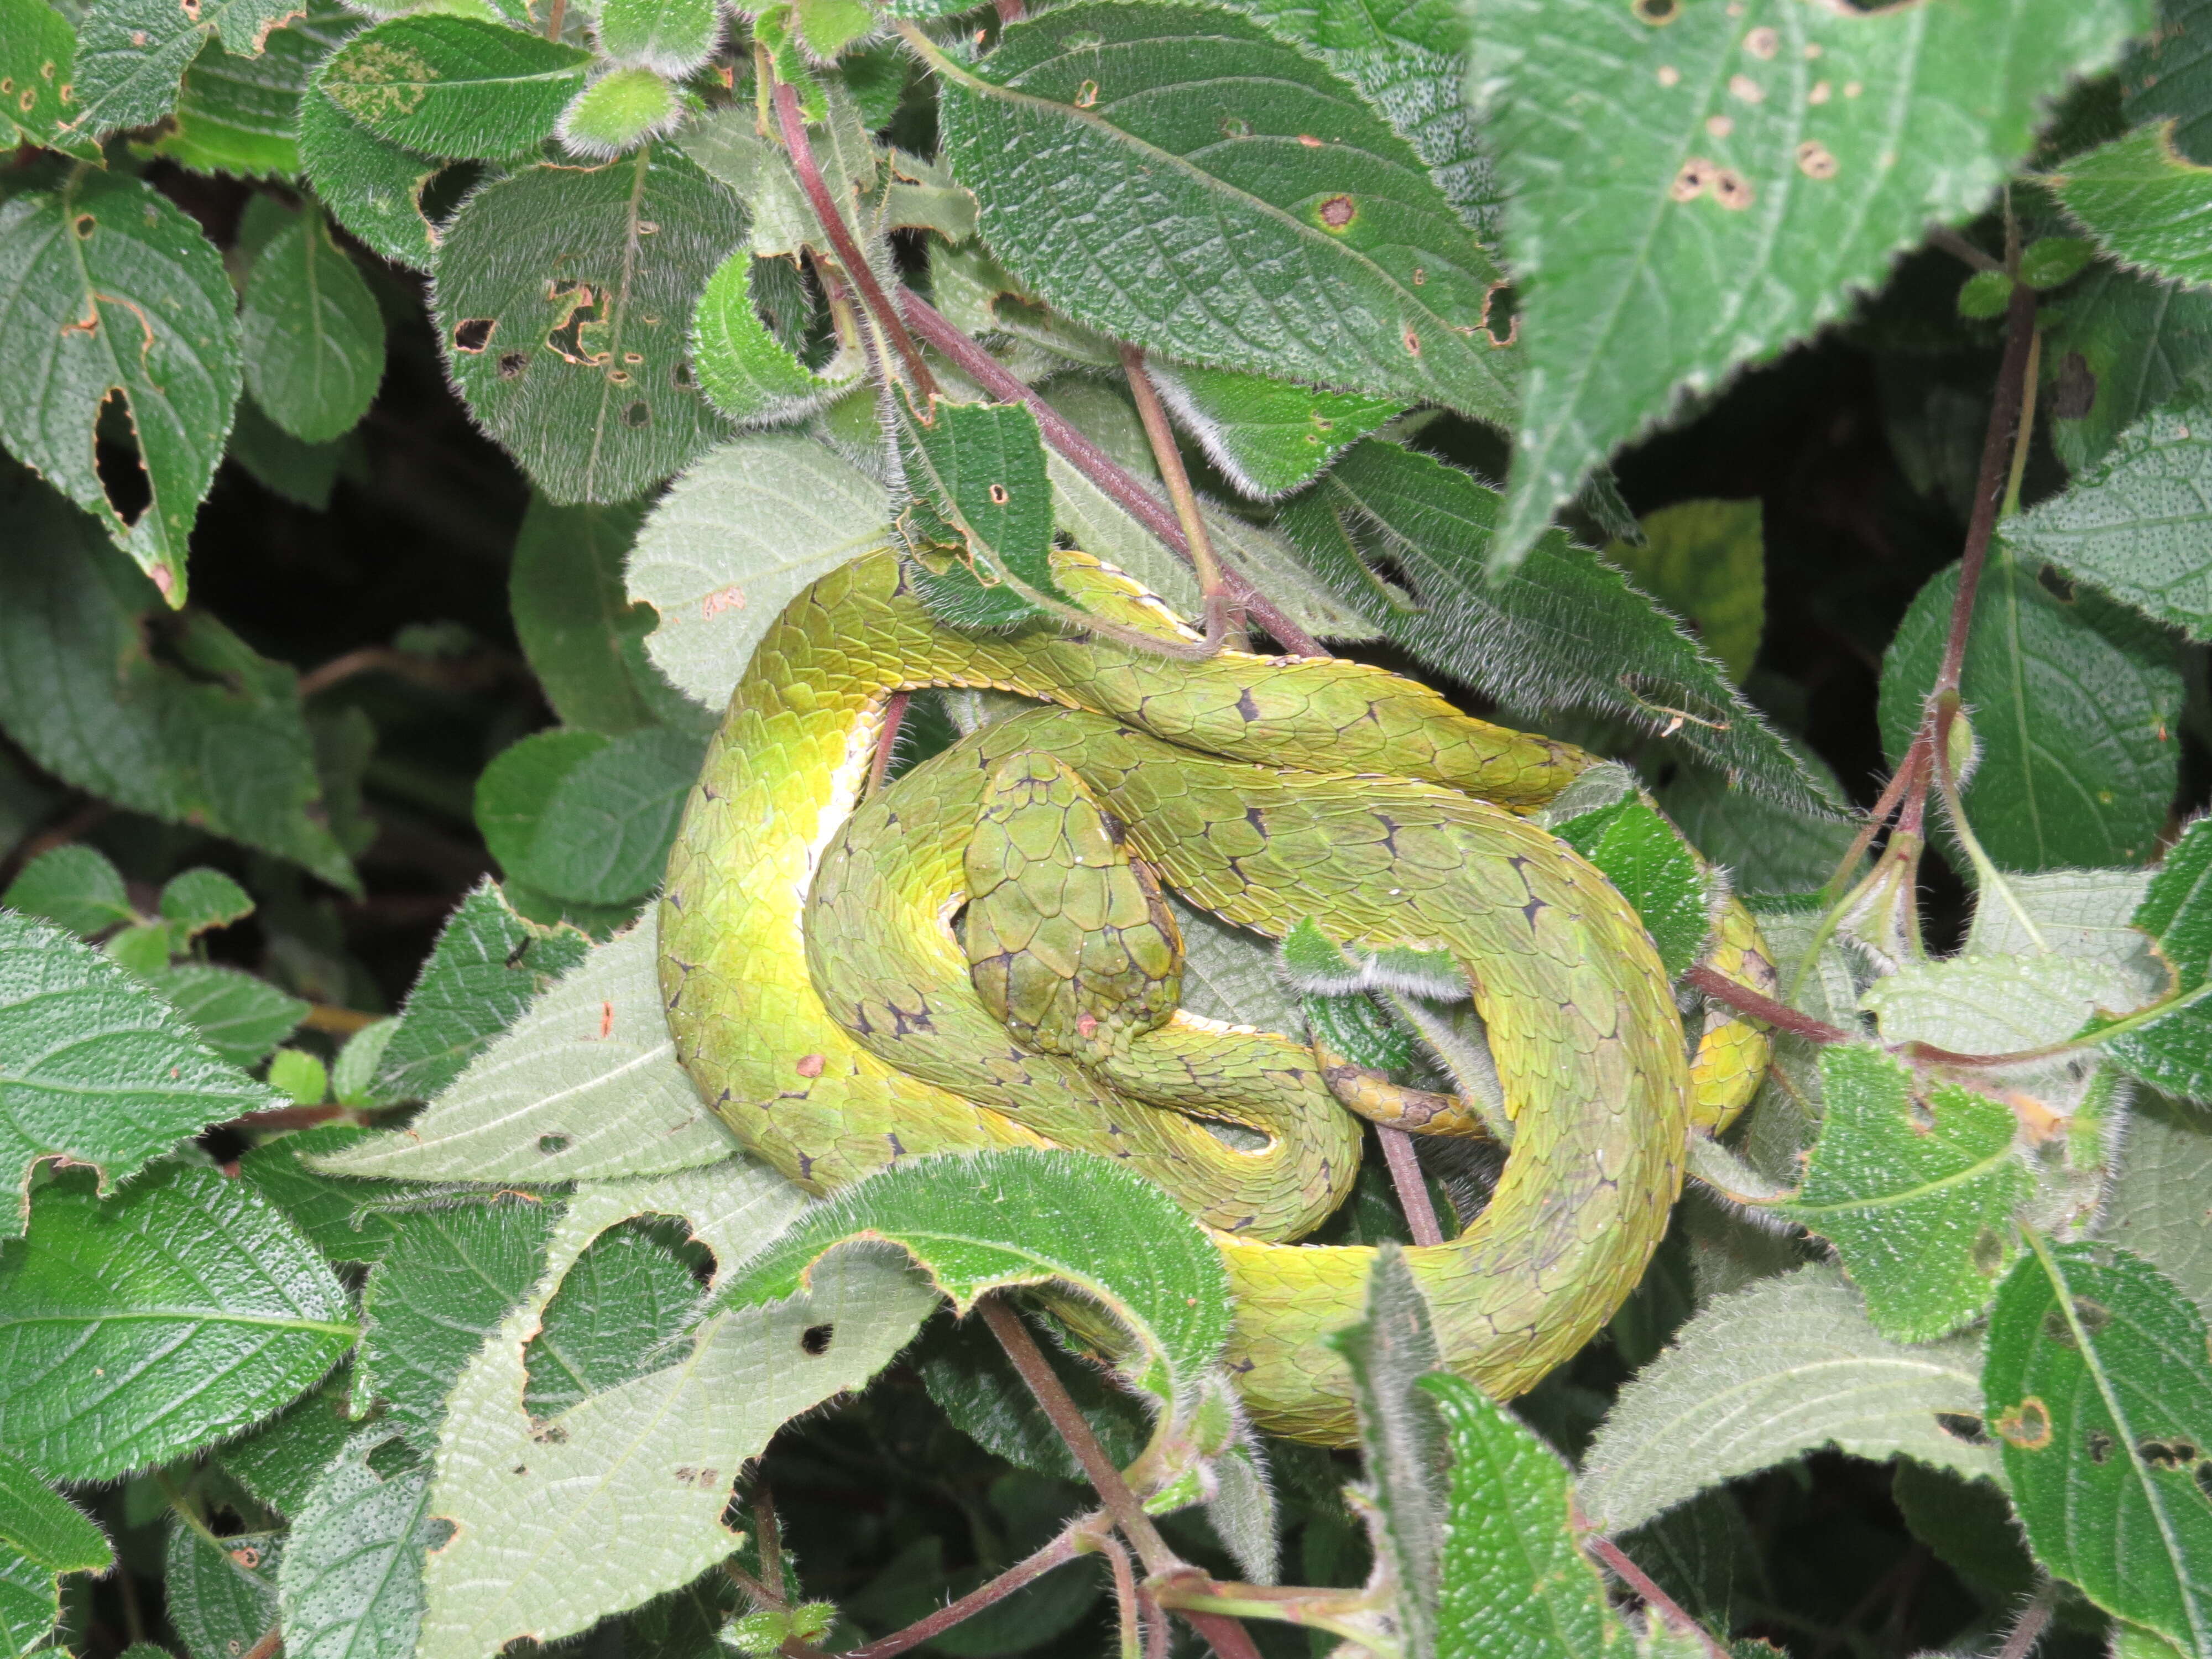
x,y
835,1006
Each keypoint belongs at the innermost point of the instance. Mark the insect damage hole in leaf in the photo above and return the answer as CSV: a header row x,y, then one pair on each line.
x,y
115,456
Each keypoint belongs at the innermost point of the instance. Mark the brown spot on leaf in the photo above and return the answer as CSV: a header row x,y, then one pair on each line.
x,y
1309,141
2027,1425
1762,43
1086,95
1731,190
1815,160
2075,393
1339,211
1694,180
998,495
1720,125
1655,12
732,597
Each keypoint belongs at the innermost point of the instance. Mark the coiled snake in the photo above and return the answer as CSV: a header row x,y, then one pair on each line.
x,y
834,1005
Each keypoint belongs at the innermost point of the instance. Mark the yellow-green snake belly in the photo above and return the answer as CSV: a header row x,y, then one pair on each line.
x,y
1265,790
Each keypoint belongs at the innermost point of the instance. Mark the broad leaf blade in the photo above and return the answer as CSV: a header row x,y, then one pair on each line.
x,y
441,85
40,1525
350,1586
1268,437
313,336
1175,134
583,638
1647,859
2123,347
2146,204
2096,1376
2156,1204
131,53
1753,164
221,1597
1766,1375
371,186
978,517
178,1312
2173,1050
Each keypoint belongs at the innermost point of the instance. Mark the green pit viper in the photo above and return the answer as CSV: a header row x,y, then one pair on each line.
x,y
836,1009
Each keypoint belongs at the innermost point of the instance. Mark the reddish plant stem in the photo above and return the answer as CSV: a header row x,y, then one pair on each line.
x,y
1220,622
1780,1015
288,1117
1641,1582
1062,1550
880,310
268,1644
887,744
2028,1629
1094,463
1412,1191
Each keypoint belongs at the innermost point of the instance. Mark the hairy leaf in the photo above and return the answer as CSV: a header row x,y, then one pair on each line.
x,y
745,369
371,186
1705,561
582,373
345,1219
2171,1046
2146,205
131,53
1982,1005
1563,631
2156,1206
314,339
74,887
2122,346
2074,705
1268,437
442,85
1643,856
177,1312
2096,1377
350,1585
37,54
108,289
671,36
626,1298
1691,188
1119,152
280,1462
978,515
240,114
221,1596
733,541
584,1086
1766,1375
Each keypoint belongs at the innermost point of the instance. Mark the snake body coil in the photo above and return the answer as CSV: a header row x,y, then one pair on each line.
x,y
1265,790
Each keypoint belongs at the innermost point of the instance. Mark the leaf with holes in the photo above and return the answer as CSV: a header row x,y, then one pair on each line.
x,y
240,114
1119,151
456,87
584,1086
2138,525
486,966
131,53
977,519
2169,1045
1766,1375
1026,1217
2121,347
621,1497
371,186
2096,1382
2075,707
564,303
108,291
1563,631
221,1594
1916,1188
1754,164
94,1068
2146,205
313,336
37,55
175,1313
628,1297
734,540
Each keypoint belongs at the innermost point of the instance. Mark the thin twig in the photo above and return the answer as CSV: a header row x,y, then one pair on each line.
x,y
328,1017
2028,1628
1094,463
1129,1614
768,1538
469,673
828,212
1213,595
1060,1551
555,23
1951,242
887,744
268,1644
1412,1191
1759,1006
1641,1582
288,1117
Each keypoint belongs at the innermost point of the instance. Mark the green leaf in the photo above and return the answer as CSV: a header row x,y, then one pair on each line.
x,y
2165,76
37,54
1563,631
314,339
582,637
74,887
2145,204
221,1597
513,790
584,1086
457,87
241,115
2097,1377
1705,561
346,1219
2173,1050
2075,705
967,1374
280,464
620,1498
353,1078
108,289
1983,1005
238,1016
1515,1581
1644,856
1766,160
1915,1189
1401,1435
2155,1205
93,1069
745,370
131,53
1268,437
299,1076
1026,1217
350,1586
2121,346
202,900
486,966
620,110
450,1275
280,1462
205,733
2082,915
2137,524
1767,1374
45,1529
1175,134
178,1312
1766,846
582,375
734,540
673,36
371,186
978,517
627,1296
588,821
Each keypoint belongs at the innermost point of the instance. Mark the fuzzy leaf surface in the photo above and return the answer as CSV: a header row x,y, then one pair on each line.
x,y
1268,437
1692,192
240,114
2173,1050
372,186
313,336
175,1313
130,54
1120,152
236,1015
2123,346
1644,856
442,85
2146,205
2156,1206
221,1598
350,1586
